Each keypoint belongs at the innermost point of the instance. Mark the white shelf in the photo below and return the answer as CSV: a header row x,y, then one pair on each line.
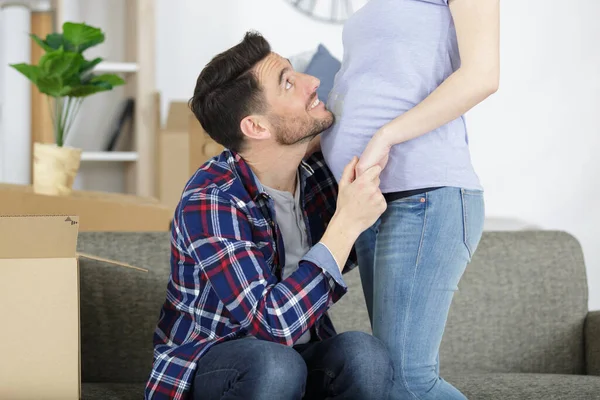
x,y
110,156
116,67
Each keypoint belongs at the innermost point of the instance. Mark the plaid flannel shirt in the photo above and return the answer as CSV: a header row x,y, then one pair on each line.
x,y
226,261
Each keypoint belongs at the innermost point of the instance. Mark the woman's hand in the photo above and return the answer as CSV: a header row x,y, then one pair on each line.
x,y
377,152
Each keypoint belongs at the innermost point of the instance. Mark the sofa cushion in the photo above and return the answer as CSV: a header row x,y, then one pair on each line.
x,y
527,386
324,66
301,60
520,307
112,391
119,306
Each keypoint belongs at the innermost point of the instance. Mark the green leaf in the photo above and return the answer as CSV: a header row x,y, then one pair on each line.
x,y
111,79
41,42
57,40
86,90
88,65
50,85
31,72
73,80
82,36
63,71
61,63
65,90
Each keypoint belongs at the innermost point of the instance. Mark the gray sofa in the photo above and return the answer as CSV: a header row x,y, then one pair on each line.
x,y
519,327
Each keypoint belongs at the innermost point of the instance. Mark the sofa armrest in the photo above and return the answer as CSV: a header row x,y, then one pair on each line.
x,y
592,343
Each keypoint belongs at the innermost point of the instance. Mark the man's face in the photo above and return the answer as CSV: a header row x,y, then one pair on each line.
x,y
295,112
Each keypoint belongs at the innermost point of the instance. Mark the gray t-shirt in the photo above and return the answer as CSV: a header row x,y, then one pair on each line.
x,y
290,218
396,52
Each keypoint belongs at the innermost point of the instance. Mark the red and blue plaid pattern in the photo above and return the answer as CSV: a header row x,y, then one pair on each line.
x,y
226,262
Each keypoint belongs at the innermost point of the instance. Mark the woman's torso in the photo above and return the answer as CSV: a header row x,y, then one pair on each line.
x,y
396,52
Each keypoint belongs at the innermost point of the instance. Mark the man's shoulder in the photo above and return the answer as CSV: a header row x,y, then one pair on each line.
x,y
217,179
214,203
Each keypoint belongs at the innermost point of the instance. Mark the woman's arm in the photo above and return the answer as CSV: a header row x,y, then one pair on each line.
x,y
477,30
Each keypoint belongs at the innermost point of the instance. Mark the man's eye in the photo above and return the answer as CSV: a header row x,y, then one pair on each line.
x,y
288,85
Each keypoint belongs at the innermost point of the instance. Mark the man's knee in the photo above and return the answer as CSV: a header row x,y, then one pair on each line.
x,y
282,370
367,366
251,369
366,369
366,350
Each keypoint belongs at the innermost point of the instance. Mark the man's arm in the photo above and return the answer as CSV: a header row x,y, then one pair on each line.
x,y
327,191
218,238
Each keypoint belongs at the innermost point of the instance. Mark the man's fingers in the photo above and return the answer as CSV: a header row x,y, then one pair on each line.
x,y
348,175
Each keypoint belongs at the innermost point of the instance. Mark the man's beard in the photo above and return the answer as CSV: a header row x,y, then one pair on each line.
x,y
293,130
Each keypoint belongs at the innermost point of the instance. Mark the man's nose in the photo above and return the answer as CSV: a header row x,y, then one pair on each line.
x,y
312,84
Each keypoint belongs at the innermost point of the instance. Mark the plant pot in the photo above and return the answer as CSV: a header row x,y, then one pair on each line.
x,y
54,168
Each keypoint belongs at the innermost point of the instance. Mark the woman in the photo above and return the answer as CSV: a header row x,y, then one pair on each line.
x,y
411,69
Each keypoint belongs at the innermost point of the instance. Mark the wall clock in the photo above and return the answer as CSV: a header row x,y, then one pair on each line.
x,y
332,11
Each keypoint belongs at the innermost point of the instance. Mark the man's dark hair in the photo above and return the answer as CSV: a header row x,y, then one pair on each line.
x,y
227,91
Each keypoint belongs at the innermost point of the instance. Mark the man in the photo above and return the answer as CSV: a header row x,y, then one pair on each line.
x,y
259,241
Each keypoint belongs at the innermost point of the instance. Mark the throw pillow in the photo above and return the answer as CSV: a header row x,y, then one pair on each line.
x,y
323,66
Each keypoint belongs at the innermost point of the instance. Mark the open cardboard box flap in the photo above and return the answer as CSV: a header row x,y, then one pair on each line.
x,y
109,261
46,236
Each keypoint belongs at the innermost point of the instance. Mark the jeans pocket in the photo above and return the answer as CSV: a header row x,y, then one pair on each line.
x,y
415,198
473,205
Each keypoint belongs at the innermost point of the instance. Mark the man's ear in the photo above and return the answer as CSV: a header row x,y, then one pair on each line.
x,y
255,127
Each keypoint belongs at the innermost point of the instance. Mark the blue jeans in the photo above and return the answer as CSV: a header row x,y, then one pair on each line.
x,y
351,365
410,263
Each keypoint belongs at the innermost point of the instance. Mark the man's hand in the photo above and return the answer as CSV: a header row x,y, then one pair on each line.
x,y
359,204
377,152
360,201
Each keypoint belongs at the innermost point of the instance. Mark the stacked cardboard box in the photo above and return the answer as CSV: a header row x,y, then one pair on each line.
x,y
183,146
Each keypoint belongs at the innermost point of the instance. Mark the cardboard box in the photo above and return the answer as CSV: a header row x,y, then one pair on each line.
x,y
97,211
40,342
183,146
173,155
39,290
202,147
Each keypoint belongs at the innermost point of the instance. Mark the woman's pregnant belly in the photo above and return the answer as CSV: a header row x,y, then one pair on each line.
x,y
436,158
357,119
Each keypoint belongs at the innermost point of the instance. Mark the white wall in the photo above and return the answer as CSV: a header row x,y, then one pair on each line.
x,y
535,143
190,32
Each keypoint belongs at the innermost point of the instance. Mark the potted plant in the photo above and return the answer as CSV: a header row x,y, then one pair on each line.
x,y
67,78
